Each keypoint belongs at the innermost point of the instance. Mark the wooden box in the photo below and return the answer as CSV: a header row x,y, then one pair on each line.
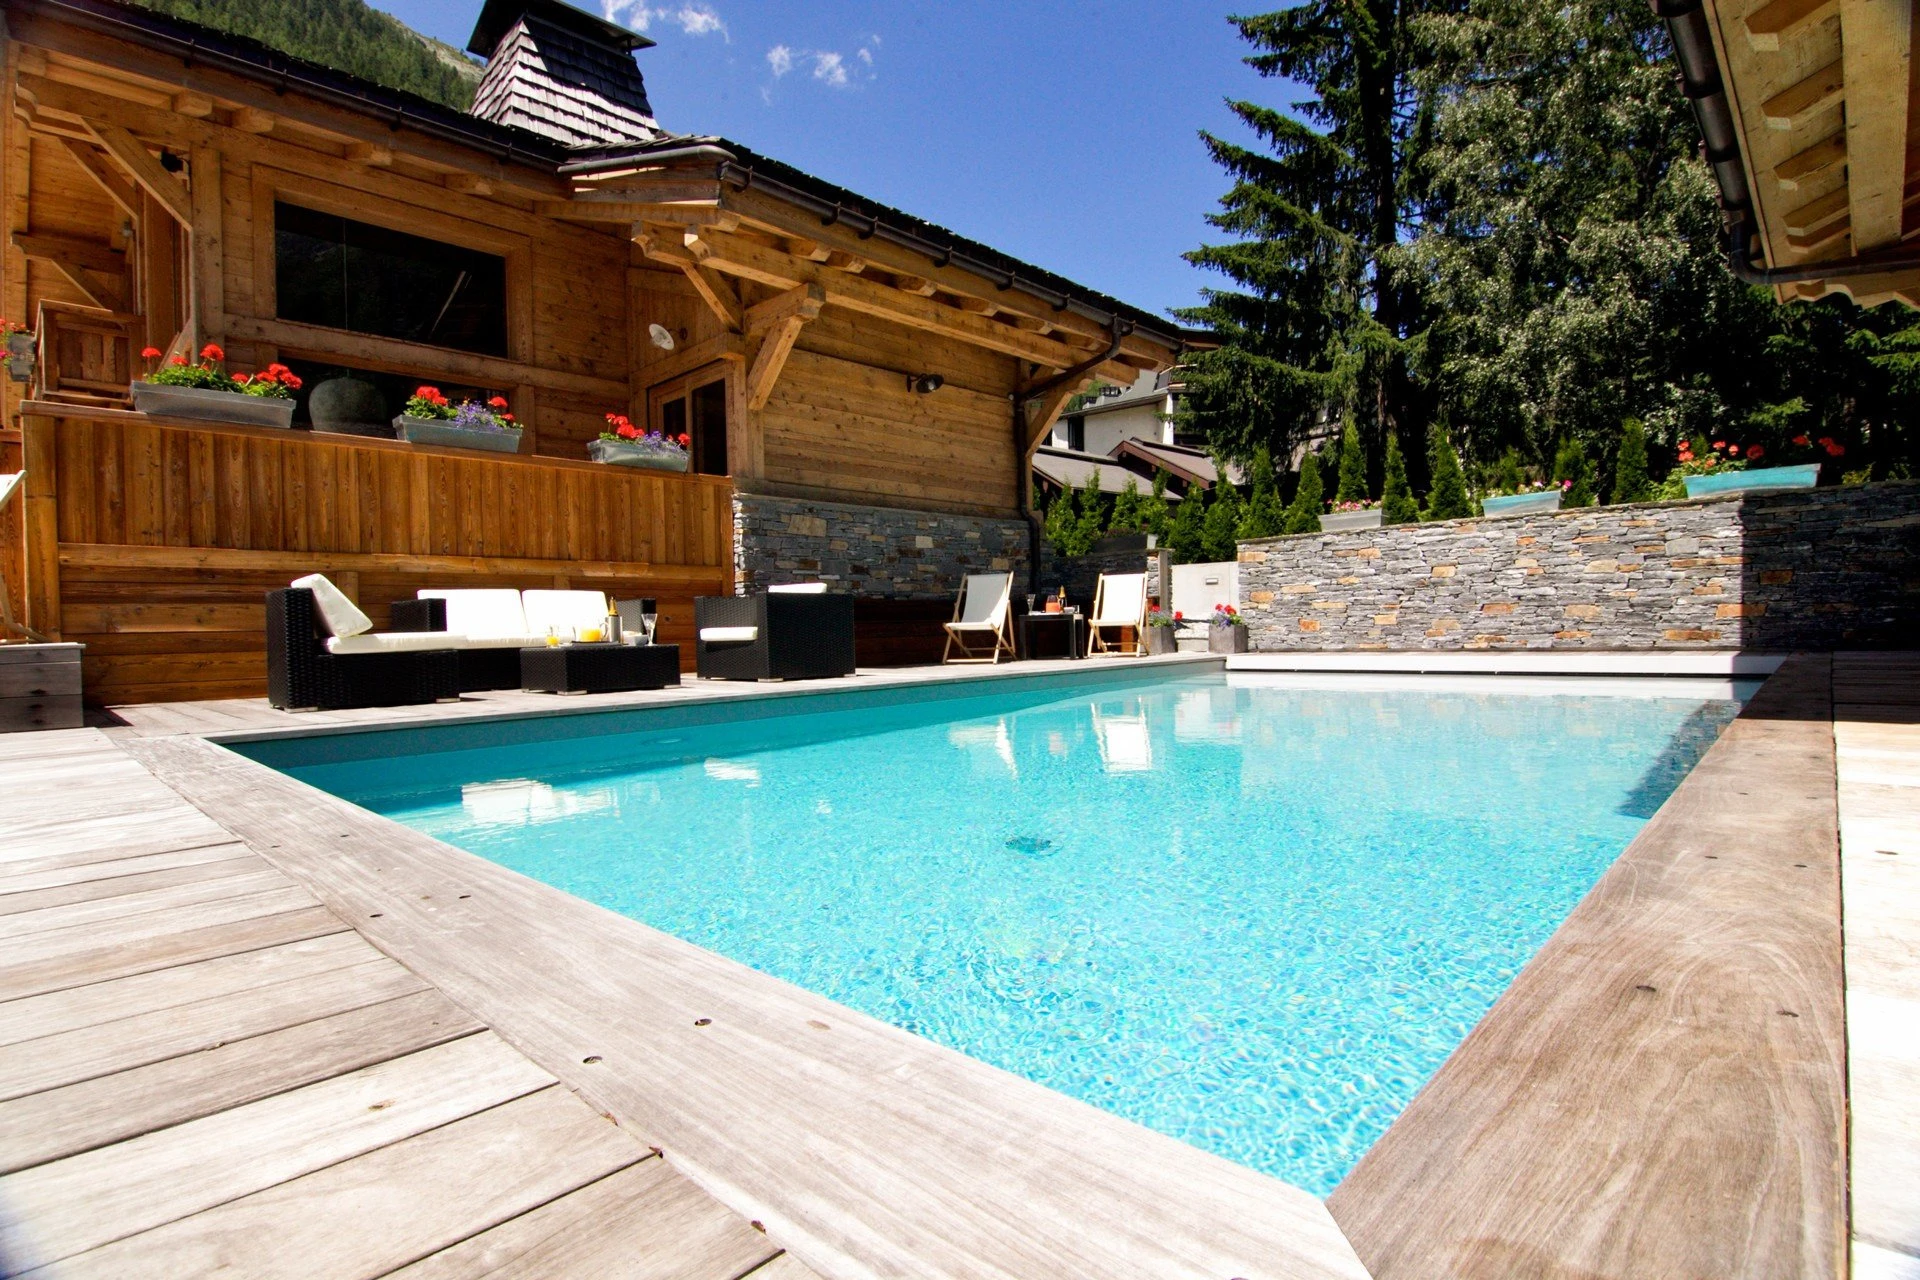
x,y
39,687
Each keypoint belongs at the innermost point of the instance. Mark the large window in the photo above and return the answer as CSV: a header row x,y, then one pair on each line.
x,y
344,274
696,406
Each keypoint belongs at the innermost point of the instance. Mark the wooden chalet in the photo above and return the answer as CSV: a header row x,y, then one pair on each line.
x,y
863,390
1807,110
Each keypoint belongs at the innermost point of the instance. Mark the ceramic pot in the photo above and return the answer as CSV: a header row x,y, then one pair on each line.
x,y
348,407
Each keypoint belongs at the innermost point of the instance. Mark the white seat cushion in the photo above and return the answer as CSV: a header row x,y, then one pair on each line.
x,y
341,615
500,642
395,642
729,635
483,612
799,588
567,612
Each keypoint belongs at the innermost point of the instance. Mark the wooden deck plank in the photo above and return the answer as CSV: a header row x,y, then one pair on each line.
x,y
123,834
86,1052
865,1150
88,1200
105,937
52,872
158,947
93,1113
75,1007
1661,1091
249,880
13,901
784,1267
366,1216
642,1223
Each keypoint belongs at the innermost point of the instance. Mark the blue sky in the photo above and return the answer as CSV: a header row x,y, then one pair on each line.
x,y
1064,134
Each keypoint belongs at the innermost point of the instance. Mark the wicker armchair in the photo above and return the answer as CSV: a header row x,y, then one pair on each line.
x,y
778,635
302,675
481,669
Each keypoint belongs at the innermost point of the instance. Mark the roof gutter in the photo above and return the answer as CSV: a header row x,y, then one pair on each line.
x,y
1700,81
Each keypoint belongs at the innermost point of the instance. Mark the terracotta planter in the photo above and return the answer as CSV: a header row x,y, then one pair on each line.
x,y
1509,505
1804,476
442,432
627,453
1227,639
1341,521
212,406
1162,640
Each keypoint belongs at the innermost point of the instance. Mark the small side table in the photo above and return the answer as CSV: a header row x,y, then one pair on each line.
x,y
599,668
1069,627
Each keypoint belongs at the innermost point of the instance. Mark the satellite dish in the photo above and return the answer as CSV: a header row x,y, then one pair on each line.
x,y
661,338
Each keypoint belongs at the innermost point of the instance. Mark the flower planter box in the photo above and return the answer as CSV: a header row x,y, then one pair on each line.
x,y
212,406
1162,640
444,433
626,453
1341,521
1520,504
1227,639
1727,483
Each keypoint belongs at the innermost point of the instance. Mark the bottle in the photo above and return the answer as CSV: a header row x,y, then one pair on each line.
x,y
612,635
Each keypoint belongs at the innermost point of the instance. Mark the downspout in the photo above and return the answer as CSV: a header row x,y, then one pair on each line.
x,y
1701,83
1023,479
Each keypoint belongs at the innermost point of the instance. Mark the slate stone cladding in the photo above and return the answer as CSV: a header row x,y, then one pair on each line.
x,y
1817,569
886,552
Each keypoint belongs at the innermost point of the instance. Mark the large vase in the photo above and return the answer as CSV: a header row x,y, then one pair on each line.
x,y
212,406
1727,483
444,433
1509,505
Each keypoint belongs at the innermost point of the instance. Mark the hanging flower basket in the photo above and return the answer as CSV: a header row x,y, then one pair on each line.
x,y
432,419
1506,506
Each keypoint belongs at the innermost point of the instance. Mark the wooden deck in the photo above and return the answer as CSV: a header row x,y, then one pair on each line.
x,y
203,1069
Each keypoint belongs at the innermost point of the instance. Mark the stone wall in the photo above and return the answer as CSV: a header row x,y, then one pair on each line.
x,y
877,552
1080,575
1816,569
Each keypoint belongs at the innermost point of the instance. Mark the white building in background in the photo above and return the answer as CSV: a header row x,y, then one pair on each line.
x,y
1143,411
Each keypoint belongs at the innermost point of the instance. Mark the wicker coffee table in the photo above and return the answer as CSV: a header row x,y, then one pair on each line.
x,y
599,668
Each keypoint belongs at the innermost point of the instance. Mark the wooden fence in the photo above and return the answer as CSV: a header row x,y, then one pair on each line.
x,y
154,541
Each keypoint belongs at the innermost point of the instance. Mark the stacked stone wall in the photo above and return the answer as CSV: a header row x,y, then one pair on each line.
x,y
1815,569
884,552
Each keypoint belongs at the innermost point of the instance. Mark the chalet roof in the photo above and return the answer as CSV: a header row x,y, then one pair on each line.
x,y
1154,391
1069,469
1183,462
557,71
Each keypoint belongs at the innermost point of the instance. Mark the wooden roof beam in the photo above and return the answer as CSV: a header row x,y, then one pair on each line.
x,y
1780,20
96,167
772,357
1799,103
252,120
1816,214
132,155
803,300
95,269
1876,49
1805,165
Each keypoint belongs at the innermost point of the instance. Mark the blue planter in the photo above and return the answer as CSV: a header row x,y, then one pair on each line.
x,y
1520,504
1804,476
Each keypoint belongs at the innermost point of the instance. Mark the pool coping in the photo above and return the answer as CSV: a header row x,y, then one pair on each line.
x,y
268,810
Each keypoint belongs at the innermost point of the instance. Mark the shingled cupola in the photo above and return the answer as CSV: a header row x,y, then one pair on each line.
x,y
561,72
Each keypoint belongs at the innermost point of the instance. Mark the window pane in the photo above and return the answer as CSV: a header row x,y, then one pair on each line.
x,y
710,429
344,274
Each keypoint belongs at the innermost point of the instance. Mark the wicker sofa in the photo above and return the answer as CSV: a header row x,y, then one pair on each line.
x,y
310,666
490,625
791,633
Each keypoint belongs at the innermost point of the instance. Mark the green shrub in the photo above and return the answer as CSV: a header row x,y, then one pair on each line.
x,y
1397,504
1303,513
1129,509
1574,473
1448,499
1185,535
1353,467
1507,476
1263,515
1220,531
1630,480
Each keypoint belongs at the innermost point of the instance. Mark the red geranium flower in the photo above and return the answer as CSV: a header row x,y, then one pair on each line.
x,y
1755,452
1802,441
685,440
627,431
179,360
426,393
497,402
1721,444
150,353
1686,455
212,352
1836,450
290,381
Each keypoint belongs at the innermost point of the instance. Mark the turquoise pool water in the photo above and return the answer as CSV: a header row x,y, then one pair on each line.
x,y
1256,918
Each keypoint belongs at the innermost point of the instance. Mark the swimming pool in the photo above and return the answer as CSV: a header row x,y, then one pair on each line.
x,y
1249,914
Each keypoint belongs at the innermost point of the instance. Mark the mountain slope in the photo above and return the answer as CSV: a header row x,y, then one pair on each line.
x,y
346,35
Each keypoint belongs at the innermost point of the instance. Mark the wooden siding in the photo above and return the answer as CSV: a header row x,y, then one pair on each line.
x,y
155,541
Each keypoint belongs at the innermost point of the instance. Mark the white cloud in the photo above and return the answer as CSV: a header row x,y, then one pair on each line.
x,y
699,20
780,58
692,19
832,68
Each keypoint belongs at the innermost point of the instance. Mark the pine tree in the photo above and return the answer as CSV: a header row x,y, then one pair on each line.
x,y
1630,480
1220,531
1129,509
1396,502
1353,467
1574,472
1063,523
1316,311
1303,513
1448,499
1263,515
1186,537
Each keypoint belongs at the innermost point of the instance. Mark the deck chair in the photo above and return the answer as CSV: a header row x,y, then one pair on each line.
x,y
9,485
1119,601
982,626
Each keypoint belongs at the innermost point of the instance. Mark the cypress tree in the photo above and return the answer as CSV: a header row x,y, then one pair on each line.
x,y
1263,515
1063,523
1630,480
1129,509
1571,468
1220,531
1093,516
1155,517
1447,500
1185,537
1396,499
1353,467
1303,514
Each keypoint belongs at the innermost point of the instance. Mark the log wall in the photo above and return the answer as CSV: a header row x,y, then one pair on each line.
x,y
153,542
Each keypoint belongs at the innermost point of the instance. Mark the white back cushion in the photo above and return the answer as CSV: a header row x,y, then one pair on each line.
x,y
482,612
986,601
341,615
800,588
1123,598
567,612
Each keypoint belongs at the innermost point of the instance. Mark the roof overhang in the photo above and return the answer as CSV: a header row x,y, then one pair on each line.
x,y
1807,109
